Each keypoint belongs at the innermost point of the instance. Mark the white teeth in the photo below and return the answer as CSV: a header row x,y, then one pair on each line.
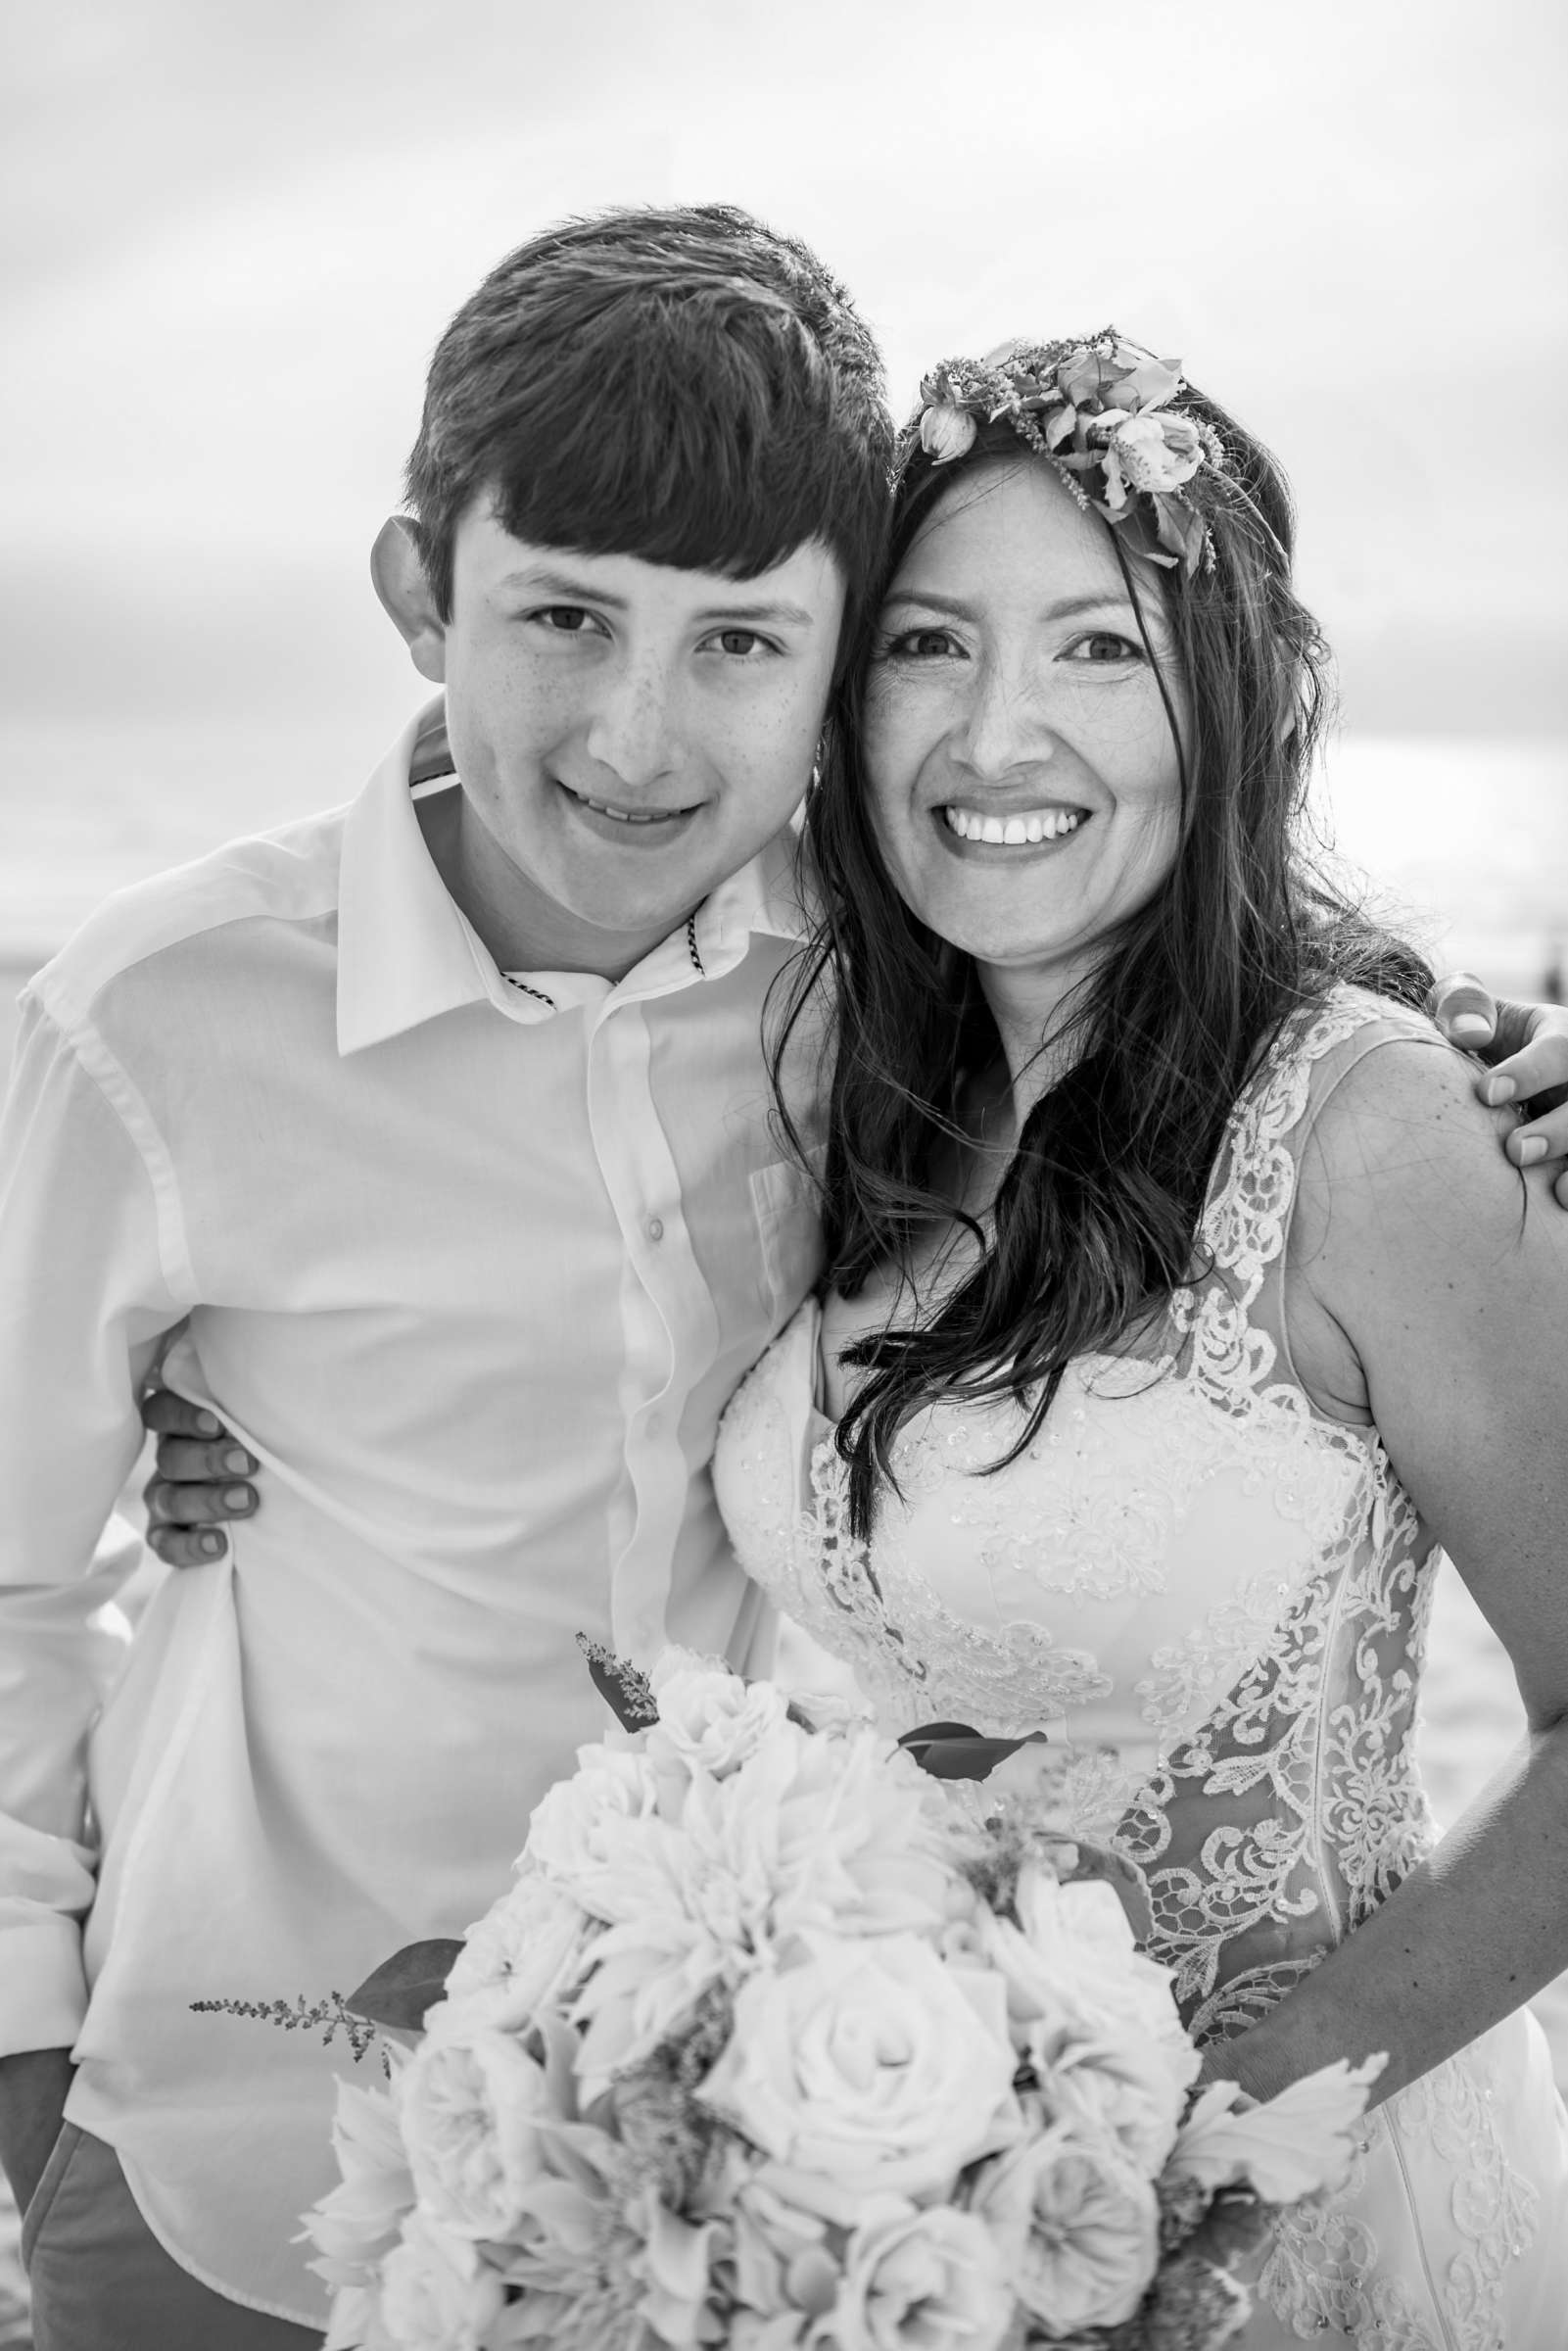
x,y
1013,831
626,816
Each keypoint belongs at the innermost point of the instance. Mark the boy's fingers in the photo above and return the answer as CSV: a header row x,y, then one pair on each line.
x,y
188,1461
186,1545
1464,1009
169,1505
1538,1071
1541,1140
168,1414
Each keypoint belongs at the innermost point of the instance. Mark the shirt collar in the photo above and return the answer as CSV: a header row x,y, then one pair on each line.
x,y
406,952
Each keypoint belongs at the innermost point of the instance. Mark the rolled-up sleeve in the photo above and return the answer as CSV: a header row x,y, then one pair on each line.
x,y
91,1274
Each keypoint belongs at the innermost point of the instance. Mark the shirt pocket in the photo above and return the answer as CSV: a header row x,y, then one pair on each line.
x,y
787,1212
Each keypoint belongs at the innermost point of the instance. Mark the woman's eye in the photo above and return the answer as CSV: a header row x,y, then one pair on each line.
x,y
740,642
921,644
1104,645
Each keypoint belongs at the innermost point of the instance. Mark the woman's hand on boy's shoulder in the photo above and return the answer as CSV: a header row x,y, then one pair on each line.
x,y
203,1480
1525,1049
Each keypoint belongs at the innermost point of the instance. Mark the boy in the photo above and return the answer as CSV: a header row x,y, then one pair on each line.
x,y
437,1130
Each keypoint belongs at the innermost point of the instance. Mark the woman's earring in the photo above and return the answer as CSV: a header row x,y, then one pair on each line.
x,y
816,764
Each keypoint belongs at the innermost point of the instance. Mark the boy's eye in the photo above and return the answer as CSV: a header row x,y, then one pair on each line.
x,y
742,644
569,620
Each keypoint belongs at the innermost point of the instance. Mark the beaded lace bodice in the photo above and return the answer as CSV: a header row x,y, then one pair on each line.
x,y
1211,1599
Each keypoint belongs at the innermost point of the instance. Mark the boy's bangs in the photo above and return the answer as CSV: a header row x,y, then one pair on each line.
x,y
708,451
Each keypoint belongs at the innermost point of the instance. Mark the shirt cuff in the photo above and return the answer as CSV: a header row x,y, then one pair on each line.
x,y
44,1984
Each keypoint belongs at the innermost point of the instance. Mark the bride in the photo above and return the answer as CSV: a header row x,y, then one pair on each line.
x,y
1180,1307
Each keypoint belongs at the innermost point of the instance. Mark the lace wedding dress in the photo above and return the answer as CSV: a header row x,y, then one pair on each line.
x,y
1212,1600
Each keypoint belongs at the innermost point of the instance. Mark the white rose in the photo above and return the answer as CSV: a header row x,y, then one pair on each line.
x,y
947,432
780,2267
868,2068
1157,452
1123,2090
1079,2228
356,2222
1075,1976
437,2293
713,1721
929,2281
471,2102
575,1832
528,1951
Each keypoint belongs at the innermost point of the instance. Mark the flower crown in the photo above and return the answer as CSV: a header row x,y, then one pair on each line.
x,y
1094,411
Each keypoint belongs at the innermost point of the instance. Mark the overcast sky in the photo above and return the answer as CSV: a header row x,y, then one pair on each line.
x,y
235,230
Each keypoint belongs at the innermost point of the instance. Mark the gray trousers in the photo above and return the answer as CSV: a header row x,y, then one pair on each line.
x,y
101,2280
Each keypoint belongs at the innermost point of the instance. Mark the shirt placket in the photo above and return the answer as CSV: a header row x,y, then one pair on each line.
x,y
670,1326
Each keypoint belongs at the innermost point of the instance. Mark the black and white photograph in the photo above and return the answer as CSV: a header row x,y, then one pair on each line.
x,y
783,1176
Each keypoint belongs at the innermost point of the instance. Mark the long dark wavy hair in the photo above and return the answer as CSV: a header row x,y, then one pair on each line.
x,y
1096,1220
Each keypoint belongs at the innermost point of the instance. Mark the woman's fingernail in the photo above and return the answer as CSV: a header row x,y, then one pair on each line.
x,y
238,1458
1469,1023
1499,1089
1531,1147
212,1544
236,1498
210,1424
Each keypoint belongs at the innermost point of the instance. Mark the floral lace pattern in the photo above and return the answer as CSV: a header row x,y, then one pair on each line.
x,y
1214,1603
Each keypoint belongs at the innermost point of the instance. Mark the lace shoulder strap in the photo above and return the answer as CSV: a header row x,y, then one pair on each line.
x,y
1253,1189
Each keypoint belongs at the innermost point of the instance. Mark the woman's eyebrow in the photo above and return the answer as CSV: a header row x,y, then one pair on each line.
x,y
1065,608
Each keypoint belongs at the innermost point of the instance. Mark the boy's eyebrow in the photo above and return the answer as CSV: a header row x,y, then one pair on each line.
x,y
929,600
563,585
733,613
577,591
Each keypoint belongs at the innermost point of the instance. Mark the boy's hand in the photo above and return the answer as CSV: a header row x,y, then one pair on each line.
x,y
33,2102
202,1481
1526,1047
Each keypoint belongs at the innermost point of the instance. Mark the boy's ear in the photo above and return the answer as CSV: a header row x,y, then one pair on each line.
x,y
399,573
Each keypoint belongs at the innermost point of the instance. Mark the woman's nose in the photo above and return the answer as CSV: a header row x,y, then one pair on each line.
x,y
1003,727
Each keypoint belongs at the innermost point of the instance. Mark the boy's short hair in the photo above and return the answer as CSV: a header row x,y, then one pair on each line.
x,y
682,385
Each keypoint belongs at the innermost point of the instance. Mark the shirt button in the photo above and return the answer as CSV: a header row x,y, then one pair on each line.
x,y
655,1229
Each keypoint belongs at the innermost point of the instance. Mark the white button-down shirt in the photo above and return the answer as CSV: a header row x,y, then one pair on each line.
x,y
473,1275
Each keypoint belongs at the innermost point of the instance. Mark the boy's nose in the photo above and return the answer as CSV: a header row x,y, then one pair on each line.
x,y
631,733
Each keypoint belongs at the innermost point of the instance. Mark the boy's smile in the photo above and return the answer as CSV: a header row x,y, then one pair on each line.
x,y
626,734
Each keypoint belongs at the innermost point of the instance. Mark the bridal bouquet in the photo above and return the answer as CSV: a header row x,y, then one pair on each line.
x,y
774,2044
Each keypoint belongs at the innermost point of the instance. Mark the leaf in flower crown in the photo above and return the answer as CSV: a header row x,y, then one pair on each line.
x,y
399,1991
955,1751
628,1694
1079,377
1060,425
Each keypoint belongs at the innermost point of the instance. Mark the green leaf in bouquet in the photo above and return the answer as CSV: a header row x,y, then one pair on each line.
x,y
396,1993
628,1694
955,1751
